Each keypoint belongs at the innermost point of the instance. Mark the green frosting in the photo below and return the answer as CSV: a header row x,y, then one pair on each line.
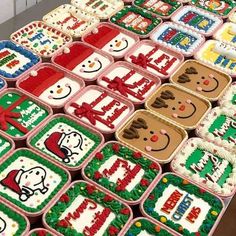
x,y
197,155
27,153
22,223
117,19
31,113
5,146
81,188
172,6
223,12
76,127
126,154
233,100
146,225
213,201
36,234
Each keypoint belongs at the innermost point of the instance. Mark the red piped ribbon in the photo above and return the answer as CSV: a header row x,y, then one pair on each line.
x,y
141,60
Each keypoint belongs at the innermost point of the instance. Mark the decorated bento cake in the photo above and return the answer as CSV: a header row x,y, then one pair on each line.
x,y
20,113
71,20
41,38
163,8
197,19
30,182
111,39
83,60
100,108
219,127
177,105
227,33
152,135
207,164
136,20
123,171
6,145
229,97
155,58
178,37
65,140
15,60
102,9
130,81
201,79
219,55
86,210
12,222
183,207
51,84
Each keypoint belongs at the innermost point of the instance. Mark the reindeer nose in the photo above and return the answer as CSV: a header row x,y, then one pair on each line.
x,y
91,65
206,82
59,90
118,44
182,108
154,138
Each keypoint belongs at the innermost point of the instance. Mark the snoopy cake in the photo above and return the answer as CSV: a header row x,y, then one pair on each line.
x,y
201,79
130,81
31,182
146,227
65,140
136,20
12,222
99,108
103,9
179,106
51,84
152,136
178,37
229,97
41,38
111,39
15,60
104,214
219,55
3,84
219,127
219,7
71,20
40,232
123,171
6,145
182,206
163,8
197,19
20,113
227,33
83,60
155,58
207,164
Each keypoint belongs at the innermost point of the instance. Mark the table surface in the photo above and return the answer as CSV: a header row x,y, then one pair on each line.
x,y
227,226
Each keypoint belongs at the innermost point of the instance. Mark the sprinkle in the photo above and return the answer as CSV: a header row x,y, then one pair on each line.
x,y
138,224
163,219
165,180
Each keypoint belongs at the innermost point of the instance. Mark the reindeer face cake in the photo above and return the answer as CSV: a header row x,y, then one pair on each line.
x,y
201,79
178,105
152,135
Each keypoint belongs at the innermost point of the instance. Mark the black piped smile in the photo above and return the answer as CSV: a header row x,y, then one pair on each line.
x,y
163,148
100,66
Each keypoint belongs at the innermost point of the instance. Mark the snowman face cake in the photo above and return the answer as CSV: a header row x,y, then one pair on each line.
x,y
83,61
111,40
50,84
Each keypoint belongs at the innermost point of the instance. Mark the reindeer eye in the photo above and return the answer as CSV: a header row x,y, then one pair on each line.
x,y
173,108
203,77
179,102
145,139
151,132
198,82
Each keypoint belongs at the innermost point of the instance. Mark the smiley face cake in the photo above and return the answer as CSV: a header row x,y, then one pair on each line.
x,y
152,135
177,105
201,79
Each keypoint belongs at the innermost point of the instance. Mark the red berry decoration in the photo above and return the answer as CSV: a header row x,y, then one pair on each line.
x,y
125,211
99,156
154,166
113,230
41,233
97,175
90,189
64,198
151,196
197,234
202,190
115,147
108,198
137,155
120,188
144,182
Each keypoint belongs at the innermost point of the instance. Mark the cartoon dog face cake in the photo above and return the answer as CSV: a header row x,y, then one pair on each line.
x,y
201,79
152,135
178,105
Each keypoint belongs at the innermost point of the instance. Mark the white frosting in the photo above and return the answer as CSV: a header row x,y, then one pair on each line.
x,y
78,153
93,64
87,216
121,172
144,233
232,17
228,158
3,145
57,96
71,20
51,181
196,202
92,94
226,100
121,71
20,60
7,225
119,45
